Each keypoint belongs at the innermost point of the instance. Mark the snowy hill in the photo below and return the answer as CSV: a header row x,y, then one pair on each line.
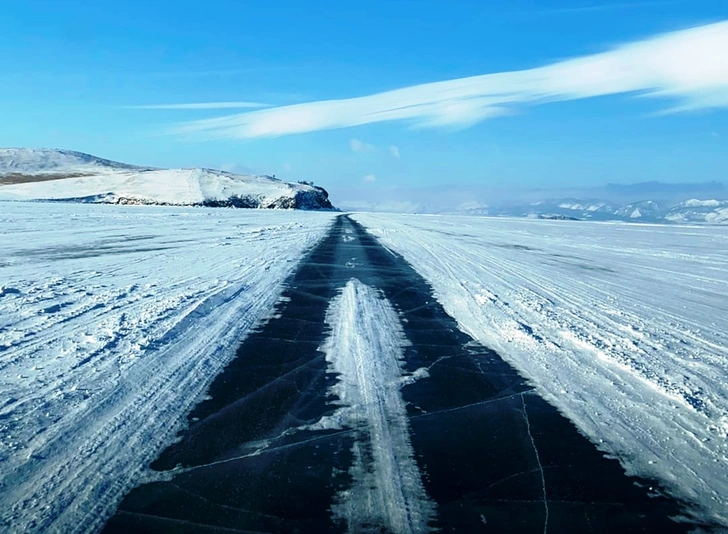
x,y
713,211
63,175
35,161
640,210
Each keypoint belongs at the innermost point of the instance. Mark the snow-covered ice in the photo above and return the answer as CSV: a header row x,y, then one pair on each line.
x,y
113,321
623,327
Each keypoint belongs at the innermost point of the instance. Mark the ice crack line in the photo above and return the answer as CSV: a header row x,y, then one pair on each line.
x,y
263,448
538,461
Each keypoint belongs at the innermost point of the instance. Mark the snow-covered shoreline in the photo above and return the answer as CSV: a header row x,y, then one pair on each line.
x,y
113,321
623,327
62,175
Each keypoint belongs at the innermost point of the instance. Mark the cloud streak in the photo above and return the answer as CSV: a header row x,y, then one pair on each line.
x,y
688,66
203,105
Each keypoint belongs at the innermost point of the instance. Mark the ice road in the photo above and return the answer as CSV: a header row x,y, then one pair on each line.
x,y
623,327
359,406
195,370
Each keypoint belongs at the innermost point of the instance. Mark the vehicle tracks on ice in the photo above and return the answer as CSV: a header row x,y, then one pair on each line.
x,y
77,430
360,406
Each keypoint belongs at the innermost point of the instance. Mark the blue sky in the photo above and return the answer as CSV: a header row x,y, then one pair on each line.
x,y
645,98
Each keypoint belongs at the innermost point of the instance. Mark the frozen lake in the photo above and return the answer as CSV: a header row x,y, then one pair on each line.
x,y
501,345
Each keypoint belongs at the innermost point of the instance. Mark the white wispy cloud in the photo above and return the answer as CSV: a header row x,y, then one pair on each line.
x,y
203,105
370,178
394,151
360,146
689,66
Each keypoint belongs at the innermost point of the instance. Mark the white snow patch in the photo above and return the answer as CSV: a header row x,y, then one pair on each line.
x,y
695,203
718,216
365,351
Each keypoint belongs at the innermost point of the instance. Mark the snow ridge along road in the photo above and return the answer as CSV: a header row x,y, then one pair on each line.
x,y
623,327
365,351
113,321
360,389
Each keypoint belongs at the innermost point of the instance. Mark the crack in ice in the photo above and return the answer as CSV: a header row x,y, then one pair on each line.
x,y
264,449
186,522
538,460
226,506
471,405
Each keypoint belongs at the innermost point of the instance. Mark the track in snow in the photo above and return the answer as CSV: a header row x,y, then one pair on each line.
x,y
360,406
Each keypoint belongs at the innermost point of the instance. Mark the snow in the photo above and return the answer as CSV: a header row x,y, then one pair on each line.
x,y
35,161
717,215
169,186
66,175
365,352
113,321
623,327
695,203
720,215
576,206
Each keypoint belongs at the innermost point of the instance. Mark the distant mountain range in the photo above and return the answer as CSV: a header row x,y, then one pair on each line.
x,y
64,175
648,202
687,211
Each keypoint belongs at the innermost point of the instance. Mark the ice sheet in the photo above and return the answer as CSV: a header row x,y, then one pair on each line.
x,y
623,327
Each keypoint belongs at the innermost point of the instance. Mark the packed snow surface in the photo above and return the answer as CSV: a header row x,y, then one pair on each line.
x,y
623,327
113,321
